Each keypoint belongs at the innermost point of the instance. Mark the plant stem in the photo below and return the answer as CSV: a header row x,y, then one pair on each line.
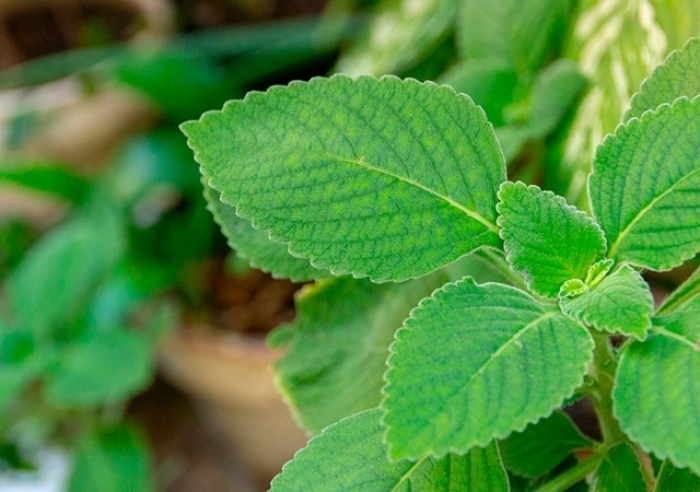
x,y
603,374
573,475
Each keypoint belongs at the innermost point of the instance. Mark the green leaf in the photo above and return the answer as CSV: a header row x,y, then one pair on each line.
x,y
351,455
542,446
598,272
645,187
547,240
399,36
337,347
686,291
45,177
475,362
679,76
383,178
520,32
108,368
655,397
621,303
263,253
112,459
672,479
620,471
682,322
52,284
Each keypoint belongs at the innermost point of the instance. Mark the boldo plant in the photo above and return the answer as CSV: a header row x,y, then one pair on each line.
x,y
456,313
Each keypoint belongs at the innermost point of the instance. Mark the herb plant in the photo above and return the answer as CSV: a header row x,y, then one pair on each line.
x,y
512,304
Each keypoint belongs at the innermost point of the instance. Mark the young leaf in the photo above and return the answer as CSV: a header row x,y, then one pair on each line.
x,y
337,347
645,187
546,240
655,397
351,455
672,479
383,178
265,254
620,303
620,471
475,362
542,446
678,76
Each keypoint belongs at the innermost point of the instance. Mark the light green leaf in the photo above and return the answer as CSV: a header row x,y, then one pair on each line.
x,y
678,76
475,362
517,31
645,187
672,479
114,459
682,322
108,368
620,471
351,455
399,36
621,303
655,398
598,272
337,347
383,178
547,240
686,291
573,287
542,446
263,253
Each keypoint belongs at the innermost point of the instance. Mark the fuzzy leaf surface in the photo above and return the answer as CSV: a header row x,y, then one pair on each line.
x,y
547,240
678,76
255,245
672,479
620,471
351,455
336,348
475,362
542,446
656,393
620,303
383,178
645,187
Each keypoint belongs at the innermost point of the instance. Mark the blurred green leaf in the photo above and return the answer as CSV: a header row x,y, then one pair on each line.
x,y
45,177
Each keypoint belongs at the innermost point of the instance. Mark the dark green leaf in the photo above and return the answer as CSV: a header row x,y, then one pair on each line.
x,y
620,471
672,479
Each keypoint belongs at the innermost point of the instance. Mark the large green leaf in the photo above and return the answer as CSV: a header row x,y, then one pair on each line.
x,y
620,471
656,394
113,459
645,187
337,347
620,303
475,362
547,240
542,446
383,178
263,253
671,479
351,455
678,76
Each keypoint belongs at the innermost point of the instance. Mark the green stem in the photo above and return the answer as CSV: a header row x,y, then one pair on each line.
x,y
572,476
603,374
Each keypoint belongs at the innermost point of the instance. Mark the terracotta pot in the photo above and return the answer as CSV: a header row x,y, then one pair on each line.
x,y
231,381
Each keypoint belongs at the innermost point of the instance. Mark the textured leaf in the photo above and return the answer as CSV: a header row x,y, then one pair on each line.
x,y
682,322
686,291
399,36
337,347
547,240
542,446
263,253
672,479
111,366
383,178
645,187
111,460
655,397
620,471
474,362
598,272
351,455
678,76
621,303
520,32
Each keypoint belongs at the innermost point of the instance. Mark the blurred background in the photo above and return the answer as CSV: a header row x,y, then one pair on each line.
x,y
132,353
